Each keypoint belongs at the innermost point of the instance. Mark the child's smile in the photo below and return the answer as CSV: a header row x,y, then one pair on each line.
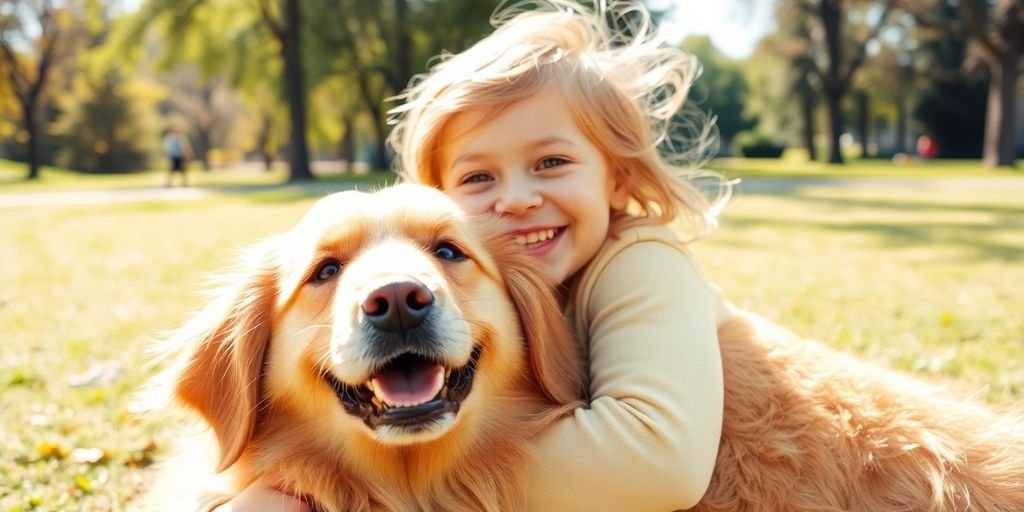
x,y
531,165
538,242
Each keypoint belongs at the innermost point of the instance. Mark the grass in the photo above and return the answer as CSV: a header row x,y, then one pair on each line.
x,y
924,280
794,164
53,179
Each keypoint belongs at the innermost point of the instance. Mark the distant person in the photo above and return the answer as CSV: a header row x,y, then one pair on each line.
x,y
179,152
927,148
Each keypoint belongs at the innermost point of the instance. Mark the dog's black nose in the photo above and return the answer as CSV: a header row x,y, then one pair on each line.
x,y
398,307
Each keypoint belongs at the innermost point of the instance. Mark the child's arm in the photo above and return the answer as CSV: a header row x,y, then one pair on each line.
x,y
261,496
650,437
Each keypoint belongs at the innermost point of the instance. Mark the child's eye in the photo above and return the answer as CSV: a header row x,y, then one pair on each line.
x,y
551,161
477,177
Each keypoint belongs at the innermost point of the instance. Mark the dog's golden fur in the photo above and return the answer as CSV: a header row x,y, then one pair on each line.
x,y
253,361
806,428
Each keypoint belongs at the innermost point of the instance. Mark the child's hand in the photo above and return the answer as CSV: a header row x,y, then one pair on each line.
x,y
264,496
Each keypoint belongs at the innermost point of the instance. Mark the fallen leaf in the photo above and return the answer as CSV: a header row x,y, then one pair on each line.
x,y
52,448
83,483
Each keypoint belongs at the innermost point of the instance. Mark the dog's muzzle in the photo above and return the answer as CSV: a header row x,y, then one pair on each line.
x,y
411,384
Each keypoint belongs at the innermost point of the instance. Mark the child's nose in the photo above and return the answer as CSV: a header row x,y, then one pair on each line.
x,y
517,199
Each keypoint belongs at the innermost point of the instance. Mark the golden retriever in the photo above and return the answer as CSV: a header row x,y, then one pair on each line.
x,y
380,355
389,354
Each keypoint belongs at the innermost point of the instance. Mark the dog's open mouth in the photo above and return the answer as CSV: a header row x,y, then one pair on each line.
x,y
409,391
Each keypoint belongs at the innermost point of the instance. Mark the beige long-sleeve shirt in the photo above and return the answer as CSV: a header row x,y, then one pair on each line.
x,y
646,319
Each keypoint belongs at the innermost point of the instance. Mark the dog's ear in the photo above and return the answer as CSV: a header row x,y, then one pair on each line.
x,y
223,348
553,357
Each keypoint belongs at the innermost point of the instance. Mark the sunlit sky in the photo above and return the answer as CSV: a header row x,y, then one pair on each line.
x,y
733,25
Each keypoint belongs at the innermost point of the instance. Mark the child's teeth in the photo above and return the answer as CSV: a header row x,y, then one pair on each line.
x,y
536,236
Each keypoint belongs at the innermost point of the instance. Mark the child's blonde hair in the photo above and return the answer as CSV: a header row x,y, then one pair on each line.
x,y
621,85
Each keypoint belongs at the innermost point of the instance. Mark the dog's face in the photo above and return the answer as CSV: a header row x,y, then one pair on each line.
x,y
398,309
379,320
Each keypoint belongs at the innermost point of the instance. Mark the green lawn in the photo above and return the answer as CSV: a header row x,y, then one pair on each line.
x,y
794,164
925,280
52,179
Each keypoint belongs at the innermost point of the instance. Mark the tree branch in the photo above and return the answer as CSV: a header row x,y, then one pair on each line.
x,y
268,18
972,16
861,52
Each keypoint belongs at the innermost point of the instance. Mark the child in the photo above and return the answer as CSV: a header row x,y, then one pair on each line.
x,y
552,123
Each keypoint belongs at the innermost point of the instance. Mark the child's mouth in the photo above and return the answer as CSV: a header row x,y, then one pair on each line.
x,y
540,240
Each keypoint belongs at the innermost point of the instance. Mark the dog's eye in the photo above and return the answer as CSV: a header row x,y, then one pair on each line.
x,y
449,252
326,271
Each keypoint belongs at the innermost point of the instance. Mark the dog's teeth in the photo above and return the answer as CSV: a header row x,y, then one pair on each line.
x,y
532,237
377,396
521,240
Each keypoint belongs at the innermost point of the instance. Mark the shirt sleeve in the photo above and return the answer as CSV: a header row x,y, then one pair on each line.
x,y
649,439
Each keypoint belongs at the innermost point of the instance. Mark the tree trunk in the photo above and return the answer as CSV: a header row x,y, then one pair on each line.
x,y
863,115
1002,106
203,142
807,114
830,12
380,154
835,127
293,69
32,145
347,146
901,124
204,126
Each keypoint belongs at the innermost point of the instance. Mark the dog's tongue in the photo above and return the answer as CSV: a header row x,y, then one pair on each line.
x,y
408,385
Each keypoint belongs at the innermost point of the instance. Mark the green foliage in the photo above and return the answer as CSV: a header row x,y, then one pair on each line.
x,y
109,122
755,144
953,102
722,89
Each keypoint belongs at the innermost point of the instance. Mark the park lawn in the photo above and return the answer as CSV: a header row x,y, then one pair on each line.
x,y
794,164
926,281
54,179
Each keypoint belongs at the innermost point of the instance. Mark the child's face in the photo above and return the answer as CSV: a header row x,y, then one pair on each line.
x,y
532,166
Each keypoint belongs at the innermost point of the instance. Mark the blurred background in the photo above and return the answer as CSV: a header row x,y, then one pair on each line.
x,y
880,209
93,85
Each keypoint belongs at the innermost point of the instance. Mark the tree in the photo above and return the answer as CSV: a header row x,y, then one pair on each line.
x,y
378,47
109,123
788,50
286,27
34,35
250,23
998,34
842,56
952,105
721,90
